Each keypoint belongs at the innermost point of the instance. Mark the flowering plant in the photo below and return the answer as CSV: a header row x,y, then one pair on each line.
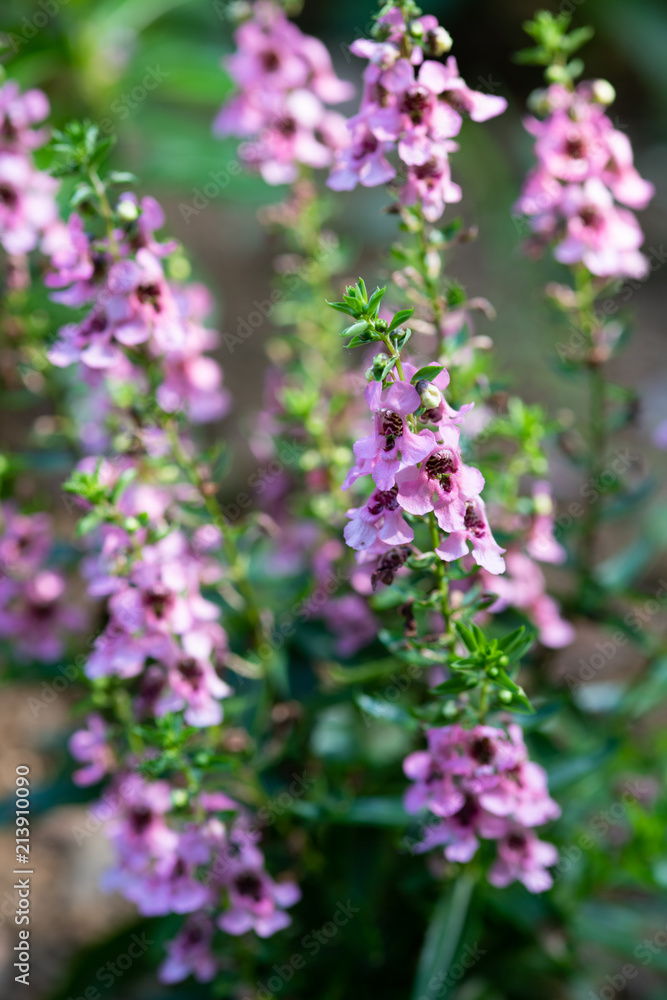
x,y
345,705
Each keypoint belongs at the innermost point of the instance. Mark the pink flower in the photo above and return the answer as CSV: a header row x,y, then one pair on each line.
x,y
392,446
430,184
257,903
443,483
285,78
169,884
138,827
381,517
476,532
189,953
583,164
413,105
193,381
194,686
523,586
460,832
364,161
18,114
68,248
523,858
352,621
480,783
27,203
541,543
35,615
25,541
605,238
90,746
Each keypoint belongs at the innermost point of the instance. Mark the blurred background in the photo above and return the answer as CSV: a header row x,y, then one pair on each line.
x,y
149,72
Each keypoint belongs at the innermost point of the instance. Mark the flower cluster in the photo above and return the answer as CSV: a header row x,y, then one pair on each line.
x,y
34,612
160,626
479,783
211,870
285,81
416,472
413,103
136,316
585,166
27,196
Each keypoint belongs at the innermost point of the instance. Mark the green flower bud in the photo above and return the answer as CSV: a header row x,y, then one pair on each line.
x,y
603,92
127,210
429,394
437,42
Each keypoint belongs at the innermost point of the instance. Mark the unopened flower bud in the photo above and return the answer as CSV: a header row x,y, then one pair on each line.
x,y
416,29
603,92
429,394
381,325
505,697
127,210
378,366
437,42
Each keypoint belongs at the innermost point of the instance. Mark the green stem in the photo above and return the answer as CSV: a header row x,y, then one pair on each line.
x,y
105,208
597,435
443,581
394,354
484,702
430,284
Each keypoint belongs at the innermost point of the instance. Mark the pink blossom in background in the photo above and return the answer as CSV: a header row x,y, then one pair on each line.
x,y
412,104
90,746
36,615
28,209
524,587
284,80
584,168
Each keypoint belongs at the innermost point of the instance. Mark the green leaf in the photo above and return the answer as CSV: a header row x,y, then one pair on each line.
x,y
81,193
382,373
479,635
122,483
577,38
531,57
352,331
342,307
387,711
88,523
443,936
428,373
467,638
375,300
517,643
401,316
455,685
361,338
121,177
